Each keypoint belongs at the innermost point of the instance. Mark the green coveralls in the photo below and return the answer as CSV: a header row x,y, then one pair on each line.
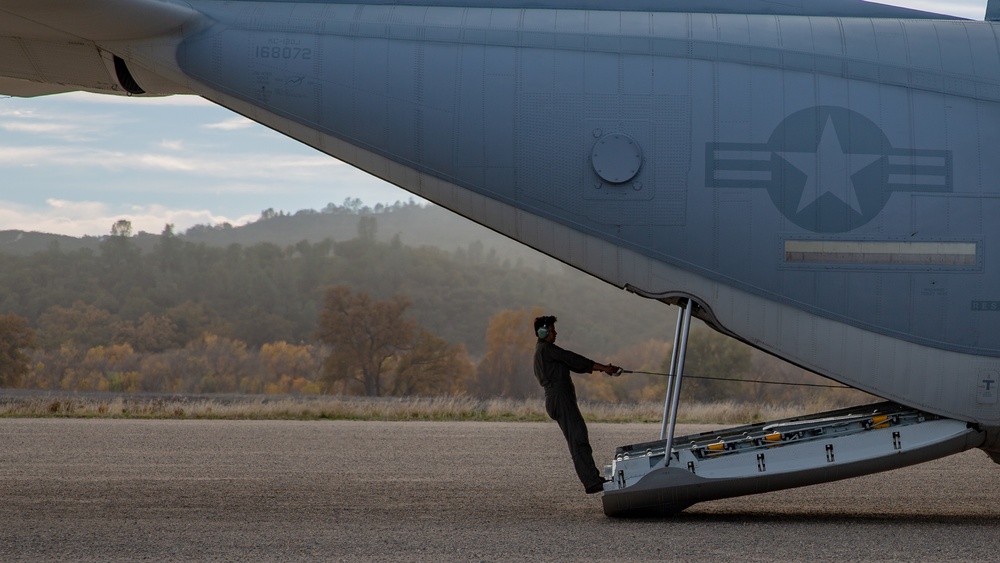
x,y
552,367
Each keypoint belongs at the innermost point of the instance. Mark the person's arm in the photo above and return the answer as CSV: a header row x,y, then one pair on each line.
x,y
609,369
581,364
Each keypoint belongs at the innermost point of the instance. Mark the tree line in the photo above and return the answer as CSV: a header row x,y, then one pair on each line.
x,y
370,348
359,316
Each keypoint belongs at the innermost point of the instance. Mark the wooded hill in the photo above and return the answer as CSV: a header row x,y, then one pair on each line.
x,y
224,309
228,279
416,225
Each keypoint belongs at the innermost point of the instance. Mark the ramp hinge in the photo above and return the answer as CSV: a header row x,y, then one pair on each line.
x,y
691,466
829,452
621,478
761,466
897,443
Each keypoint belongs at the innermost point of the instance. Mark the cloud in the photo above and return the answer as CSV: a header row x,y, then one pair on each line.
x,y
54,123
105,99
961,8
79,218
15,156
166,162
6,111
233,124
233,166
66,129
82,117
275,167
152,218
22,127
171,145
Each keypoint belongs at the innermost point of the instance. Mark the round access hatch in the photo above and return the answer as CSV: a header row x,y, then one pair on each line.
x,y
616,158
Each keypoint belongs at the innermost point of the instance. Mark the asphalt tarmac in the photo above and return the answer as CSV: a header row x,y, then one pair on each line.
x,y
134,490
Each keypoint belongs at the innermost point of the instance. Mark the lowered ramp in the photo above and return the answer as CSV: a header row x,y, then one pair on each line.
x,y
777,455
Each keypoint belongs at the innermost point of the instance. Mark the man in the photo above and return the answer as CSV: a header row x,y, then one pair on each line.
x,y
552,367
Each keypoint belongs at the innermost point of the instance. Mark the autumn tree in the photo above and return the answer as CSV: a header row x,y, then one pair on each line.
x,y
82,323
286,368
122,228
151,333
55,369
110,368
365,337
165,372
215,363
168,251
121,260
15,337
637,387
432,366
507,368
713,354
765,367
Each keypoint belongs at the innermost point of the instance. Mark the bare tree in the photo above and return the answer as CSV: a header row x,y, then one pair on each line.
x,y
365,337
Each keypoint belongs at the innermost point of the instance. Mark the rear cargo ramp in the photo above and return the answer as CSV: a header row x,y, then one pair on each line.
x,y
778,455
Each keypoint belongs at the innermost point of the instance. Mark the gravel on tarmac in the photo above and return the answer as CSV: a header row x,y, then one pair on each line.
x,y
159,490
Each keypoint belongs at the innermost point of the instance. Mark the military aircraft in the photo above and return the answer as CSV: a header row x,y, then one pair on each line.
x,y
814,178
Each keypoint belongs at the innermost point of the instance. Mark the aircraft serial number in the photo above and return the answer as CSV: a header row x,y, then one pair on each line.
x,y
265,52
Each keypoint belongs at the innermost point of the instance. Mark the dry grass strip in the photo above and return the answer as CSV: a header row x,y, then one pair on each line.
x,y
266,407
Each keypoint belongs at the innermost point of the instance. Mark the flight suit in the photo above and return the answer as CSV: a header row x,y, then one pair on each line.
x,y
552,368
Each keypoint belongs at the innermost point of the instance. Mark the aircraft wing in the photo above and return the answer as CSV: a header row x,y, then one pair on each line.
x,y
66,45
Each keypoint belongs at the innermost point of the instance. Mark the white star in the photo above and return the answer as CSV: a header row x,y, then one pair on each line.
x,y
829,169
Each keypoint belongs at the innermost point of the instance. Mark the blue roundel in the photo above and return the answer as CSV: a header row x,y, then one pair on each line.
x,y
829,169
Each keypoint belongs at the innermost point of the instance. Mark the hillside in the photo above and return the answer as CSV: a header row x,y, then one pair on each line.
x,y
416,225
237,309
263,282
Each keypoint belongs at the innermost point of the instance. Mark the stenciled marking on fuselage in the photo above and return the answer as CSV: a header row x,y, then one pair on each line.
x,y
993,306
828,169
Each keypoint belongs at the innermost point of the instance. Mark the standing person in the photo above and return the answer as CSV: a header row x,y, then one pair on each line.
x,y
552,367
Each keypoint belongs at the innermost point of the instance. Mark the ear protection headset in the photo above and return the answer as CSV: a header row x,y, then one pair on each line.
x,y
543,332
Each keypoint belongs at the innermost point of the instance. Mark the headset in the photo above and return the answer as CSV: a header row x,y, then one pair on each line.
x,y
542,332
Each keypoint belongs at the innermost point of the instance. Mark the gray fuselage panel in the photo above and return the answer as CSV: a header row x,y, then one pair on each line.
x,y
824,185
838,170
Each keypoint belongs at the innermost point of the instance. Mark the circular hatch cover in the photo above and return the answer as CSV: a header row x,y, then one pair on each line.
x,y
616,158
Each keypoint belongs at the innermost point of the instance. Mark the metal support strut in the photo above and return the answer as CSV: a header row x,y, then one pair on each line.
x,y
676,372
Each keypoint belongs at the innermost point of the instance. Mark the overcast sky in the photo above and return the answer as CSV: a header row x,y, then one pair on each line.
x,y
75,163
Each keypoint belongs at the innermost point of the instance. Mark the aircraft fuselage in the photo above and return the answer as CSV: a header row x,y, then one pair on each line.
x,y
821,185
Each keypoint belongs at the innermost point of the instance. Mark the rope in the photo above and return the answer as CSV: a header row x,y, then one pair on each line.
x,y
744,380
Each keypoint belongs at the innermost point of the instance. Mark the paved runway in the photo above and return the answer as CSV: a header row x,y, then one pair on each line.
x,y
100,490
